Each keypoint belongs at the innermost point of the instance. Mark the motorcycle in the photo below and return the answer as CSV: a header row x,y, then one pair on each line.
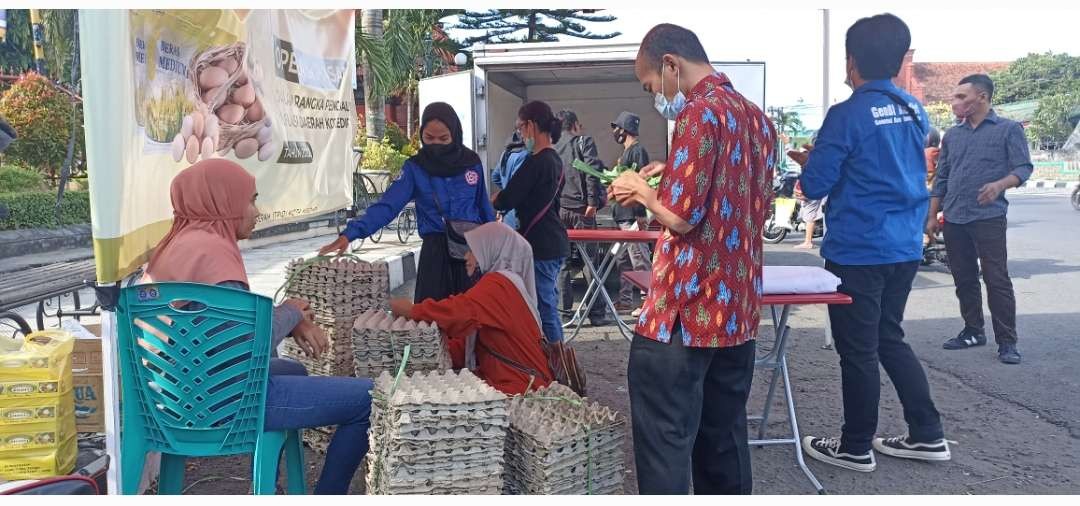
x,y
1075,199
934,250
785,216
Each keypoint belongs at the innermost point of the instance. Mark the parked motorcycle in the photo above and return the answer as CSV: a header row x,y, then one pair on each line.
x,y
1076,198
785,216
934,250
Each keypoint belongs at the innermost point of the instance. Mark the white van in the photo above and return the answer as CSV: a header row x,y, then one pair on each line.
x,y
595,80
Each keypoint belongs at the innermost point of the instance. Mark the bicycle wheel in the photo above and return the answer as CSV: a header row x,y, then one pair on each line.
x,y
377,236
406,225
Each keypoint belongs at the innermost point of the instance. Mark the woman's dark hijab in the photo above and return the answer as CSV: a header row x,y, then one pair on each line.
x,y
445,160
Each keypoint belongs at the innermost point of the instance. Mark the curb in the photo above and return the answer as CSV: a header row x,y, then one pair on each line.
x,y
1049,185
402,267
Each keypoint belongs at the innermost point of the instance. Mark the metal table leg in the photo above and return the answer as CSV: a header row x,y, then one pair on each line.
x,y
776,361
596,289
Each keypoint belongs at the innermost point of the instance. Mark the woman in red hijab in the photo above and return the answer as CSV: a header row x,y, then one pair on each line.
x,y
213,208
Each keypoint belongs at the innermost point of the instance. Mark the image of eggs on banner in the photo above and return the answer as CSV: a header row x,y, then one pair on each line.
x,y
229,115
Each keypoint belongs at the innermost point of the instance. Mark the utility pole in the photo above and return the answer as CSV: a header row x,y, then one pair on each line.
x,y
825,98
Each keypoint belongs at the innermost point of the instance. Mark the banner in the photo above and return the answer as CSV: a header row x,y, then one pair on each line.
x,y
163,89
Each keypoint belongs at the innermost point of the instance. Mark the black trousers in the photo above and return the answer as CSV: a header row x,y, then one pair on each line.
x,y
868,332
688,408
982,244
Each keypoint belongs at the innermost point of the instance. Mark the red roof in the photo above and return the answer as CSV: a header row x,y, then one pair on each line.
x,y
934,81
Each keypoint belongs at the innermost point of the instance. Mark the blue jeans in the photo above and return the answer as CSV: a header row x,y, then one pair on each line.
x,y
547,296
298,402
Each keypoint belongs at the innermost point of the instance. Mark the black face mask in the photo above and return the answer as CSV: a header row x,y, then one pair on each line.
x,y
620,137
438,150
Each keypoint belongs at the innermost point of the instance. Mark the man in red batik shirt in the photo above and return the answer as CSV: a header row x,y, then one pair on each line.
x,y
692,358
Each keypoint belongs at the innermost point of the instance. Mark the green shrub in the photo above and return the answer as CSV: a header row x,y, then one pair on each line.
x,y
17,179
396,135
382,156
41,116
38,209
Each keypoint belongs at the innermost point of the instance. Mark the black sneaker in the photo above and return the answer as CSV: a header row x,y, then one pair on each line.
x,y
905,448
965,339
828,451
1008,354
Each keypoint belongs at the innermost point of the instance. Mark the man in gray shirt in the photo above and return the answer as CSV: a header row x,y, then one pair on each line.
x,y
981,157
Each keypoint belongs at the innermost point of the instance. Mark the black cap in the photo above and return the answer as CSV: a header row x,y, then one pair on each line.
x,y
627,121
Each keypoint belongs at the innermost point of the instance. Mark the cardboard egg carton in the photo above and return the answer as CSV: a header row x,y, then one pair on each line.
x,y
379,341
560,443
338,289
436,432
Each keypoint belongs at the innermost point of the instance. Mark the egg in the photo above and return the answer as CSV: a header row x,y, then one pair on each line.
x,y
211,128
244,95
197,124
192,151
212,77
185,126
229,65
266,151
264,135
255,112
178,144
242,80
231,113
207,147
245,148
209,95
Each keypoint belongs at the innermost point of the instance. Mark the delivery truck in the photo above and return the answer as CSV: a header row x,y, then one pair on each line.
x,y
595,80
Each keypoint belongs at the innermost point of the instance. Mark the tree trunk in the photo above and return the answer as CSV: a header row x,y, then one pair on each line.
x,y
409,113
374,110
532,27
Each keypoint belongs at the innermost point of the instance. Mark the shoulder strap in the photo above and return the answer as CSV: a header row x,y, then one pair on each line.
x,y
540,215
903,103
529,371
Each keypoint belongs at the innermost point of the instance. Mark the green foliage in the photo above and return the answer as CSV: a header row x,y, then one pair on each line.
x,y
941,115
1036,76
1051,127
531,25
60,35
17,51
38,209
18,179
396,135
382,156
41,115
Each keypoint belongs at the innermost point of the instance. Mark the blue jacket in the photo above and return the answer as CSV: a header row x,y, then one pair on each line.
x,y
500,177
463,197
869,161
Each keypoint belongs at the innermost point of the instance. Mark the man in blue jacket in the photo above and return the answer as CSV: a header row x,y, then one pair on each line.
x,y
869,162
513,156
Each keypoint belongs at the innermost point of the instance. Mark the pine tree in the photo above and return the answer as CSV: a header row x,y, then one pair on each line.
x,y
521,25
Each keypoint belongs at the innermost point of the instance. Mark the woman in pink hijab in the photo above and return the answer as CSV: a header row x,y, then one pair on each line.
x,y
213,208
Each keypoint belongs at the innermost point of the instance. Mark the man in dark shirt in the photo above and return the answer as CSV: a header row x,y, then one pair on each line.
x,y
582,196
635,257
980,158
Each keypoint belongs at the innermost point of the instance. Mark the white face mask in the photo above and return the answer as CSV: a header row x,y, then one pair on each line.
x,y
670,109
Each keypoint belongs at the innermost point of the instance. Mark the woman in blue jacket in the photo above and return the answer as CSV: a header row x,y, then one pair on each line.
x,y
446,181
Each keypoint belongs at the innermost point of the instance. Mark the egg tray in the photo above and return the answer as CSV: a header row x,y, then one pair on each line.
x,y
560,443
436,432
379,343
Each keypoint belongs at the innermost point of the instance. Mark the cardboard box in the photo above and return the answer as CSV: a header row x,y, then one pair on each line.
x,y
88,385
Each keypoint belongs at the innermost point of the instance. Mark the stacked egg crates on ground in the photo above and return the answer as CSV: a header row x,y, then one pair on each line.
x,y
339,290
559,443
436,433
379,343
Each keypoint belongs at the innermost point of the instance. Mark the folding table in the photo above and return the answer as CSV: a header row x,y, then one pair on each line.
x,y
775,361
620,239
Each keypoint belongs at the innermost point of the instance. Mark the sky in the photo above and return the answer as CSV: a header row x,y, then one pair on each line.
x,y
789,39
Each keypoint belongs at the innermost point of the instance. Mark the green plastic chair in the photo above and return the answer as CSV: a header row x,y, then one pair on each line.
x,y
194,363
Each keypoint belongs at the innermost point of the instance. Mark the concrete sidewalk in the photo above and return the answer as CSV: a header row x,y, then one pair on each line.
x,y
265,265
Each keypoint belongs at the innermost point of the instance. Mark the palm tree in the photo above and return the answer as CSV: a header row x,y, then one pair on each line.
x,y
395,55
369,42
